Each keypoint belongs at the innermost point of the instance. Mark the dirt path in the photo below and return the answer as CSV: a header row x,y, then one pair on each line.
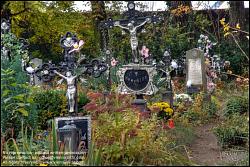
x,y
205,150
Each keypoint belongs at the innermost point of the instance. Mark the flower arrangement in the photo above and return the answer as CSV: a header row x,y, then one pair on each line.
x,y
163,108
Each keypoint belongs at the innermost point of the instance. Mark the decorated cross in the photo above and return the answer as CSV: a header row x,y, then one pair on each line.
x,y
66,69
132,23
137,77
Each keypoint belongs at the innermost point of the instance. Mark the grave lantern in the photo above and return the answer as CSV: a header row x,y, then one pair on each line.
x,y
69,134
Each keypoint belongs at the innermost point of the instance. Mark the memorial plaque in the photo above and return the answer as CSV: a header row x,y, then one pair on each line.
x,y
195,71
195,65
80,133
137,79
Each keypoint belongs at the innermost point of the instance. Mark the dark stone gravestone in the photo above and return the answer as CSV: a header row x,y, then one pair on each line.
x,y
196,75
74,132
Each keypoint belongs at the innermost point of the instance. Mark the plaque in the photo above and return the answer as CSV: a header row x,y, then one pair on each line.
x,y
137,79
83,124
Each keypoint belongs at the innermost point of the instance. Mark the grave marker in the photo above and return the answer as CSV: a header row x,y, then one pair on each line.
x,y
196,76
33,78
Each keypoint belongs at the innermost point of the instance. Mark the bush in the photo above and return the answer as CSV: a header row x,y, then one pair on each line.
x,y
82,101
50,104
210,108
233,131
16,104
236,104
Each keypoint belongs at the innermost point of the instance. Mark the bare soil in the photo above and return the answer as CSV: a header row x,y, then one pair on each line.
x,y
205,149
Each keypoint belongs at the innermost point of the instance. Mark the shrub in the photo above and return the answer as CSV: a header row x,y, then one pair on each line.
x,y
50,104
210,108
82,101
236,104
16,104
233,131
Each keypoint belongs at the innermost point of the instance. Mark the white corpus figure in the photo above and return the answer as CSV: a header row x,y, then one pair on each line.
x,y
133,39
71,89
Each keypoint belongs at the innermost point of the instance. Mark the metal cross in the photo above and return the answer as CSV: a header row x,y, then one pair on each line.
x,y
47,71
133,24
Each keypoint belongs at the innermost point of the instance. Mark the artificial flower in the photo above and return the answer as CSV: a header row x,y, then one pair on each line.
x,y
174,64
113,62
144,52
77,46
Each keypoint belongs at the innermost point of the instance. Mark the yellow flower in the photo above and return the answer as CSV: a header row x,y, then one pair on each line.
x,y
43,164
238,26
169,111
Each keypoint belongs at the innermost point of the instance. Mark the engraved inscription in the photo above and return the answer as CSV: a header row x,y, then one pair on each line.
x,y
195,71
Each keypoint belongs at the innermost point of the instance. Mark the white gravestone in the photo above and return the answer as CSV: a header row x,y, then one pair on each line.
x,y
196,76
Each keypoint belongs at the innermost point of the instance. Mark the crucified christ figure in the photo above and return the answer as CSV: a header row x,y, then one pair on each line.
x,y
133,39
71,89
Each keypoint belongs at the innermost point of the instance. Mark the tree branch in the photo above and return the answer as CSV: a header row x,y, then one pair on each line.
x,y
24,10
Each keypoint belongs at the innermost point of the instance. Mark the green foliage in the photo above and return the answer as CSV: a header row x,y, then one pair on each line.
x,y
233,131
82,101
50,104
31,149
210,108
16,103
125,139
45,22
236,104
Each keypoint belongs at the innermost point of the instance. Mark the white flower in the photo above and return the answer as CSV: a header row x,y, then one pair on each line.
x,y
189,82
201,36
30,69
199,41
174,64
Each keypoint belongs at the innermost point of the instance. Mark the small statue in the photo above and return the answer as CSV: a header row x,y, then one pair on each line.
x,y
133,39
71,89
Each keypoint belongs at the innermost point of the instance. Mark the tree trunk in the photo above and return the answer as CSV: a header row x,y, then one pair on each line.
x,y
98,15
237,16
237,13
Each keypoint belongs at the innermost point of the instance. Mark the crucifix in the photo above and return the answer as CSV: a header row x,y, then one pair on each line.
x,y
66,69
133,24
135,78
